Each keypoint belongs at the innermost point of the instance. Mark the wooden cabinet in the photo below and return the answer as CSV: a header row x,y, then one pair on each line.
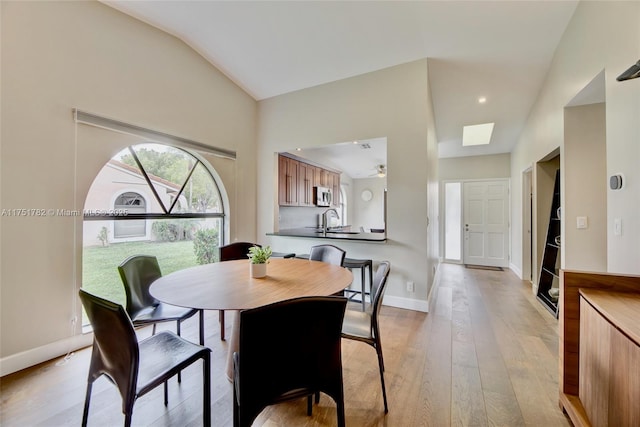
x,y
335,189
331,180
326,180
306,182
297,181
609,386
619,303
287,181
595,349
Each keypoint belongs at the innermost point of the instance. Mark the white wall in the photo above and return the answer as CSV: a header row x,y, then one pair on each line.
x,y
368,214
601,35
586,188
394,103
475,167
60,55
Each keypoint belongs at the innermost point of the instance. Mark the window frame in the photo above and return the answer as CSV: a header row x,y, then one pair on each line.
x,y
118,215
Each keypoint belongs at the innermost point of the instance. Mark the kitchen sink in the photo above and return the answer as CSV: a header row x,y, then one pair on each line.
x,y
341,232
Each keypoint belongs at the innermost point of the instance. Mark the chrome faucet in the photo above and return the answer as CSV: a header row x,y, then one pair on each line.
x,y
325,225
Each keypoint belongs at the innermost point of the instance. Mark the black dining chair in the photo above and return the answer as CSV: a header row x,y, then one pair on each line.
x,y
330,254
138,272
231,252
304,357
327,253
235,250
135,367
363,325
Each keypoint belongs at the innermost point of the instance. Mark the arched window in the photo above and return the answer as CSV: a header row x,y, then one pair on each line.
x,y
150,199
344,205
133,203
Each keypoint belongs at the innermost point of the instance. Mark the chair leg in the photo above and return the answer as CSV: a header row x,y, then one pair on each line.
x,y
206,362
166,393
340,411
377,344
153,332
221,319
236,408
85,413
363,288
384,390
201,314
178,332
370,282
127,418
309,406
317,397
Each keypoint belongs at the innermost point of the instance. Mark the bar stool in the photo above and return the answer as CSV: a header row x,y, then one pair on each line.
x,y
351,263
362,264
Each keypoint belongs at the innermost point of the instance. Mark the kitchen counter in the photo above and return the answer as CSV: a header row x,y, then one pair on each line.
x,y
310,232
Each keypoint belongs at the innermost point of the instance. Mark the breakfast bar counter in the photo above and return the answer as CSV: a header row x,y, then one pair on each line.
x,y
310,232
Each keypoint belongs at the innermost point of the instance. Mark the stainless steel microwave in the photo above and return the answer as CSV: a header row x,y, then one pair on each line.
x,y
322,196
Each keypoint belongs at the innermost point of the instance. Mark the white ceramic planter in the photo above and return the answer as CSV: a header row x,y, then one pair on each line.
x,y
258,270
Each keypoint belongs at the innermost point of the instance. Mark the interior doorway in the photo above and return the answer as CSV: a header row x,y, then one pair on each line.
x,y
486,223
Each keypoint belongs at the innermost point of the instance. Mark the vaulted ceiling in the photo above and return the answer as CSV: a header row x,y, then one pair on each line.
x,y
500,50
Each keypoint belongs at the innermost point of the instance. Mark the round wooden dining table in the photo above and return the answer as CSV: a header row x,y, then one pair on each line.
x,y
228,285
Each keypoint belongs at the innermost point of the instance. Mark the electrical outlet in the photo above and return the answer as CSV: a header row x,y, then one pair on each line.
x,y
411,287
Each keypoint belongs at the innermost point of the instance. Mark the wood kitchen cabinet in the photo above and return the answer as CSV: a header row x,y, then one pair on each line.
x,y
331,180
306,183
326,180
335,189
297,181
288,194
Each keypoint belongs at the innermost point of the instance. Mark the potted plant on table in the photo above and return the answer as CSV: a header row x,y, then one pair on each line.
x,y
259,258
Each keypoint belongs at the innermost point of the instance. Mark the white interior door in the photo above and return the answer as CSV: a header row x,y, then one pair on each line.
x,y
486,223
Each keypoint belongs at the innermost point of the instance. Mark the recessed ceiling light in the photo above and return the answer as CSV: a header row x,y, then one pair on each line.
x,y
355,142
477,134
482,100
298,149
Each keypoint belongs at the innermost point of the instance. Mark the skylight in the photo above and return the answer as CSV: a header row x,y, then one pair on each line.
x,y
477,134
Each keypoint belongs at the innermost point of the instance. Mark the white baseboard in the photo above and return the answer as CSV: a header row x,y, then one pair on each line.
x,y
516,270
414,304
26,359
406,303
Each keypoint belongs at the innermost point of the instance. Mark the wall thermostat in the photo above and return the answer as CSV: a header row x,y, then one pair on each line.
x,y
616,181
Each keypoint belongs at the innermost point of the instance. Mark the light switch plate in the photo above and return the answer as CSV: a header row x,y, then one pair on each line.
x,y
582,222
617,227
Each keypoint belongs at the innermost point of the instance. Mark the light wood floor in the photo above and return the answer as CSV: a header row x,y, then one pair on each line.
x,y
486,354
